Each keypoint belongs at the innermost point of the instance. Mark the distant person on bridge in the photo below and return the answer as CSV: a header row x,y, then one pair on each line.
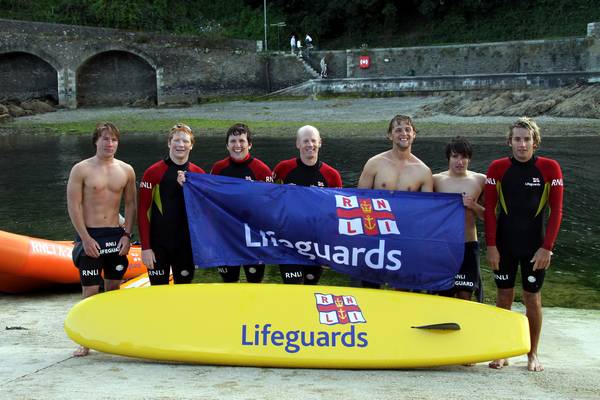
x,y
293,44
309,44
95,189
323,65
518,189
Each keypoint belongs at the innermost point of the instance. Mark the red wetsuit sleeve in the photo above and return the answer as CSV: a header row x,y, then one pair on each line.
x,y
151,178
490,194
332,176
219,166
283,169
261,171
553,177
195,169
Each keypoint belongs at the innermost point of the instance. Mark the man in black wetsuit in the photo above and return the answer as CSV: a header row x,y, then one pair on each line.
x,y
306,170
518,190
162,219
240,164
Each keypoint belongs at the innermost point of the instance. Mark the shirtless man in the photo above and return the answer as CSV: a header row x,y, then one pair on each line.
x,y
94,192
458,179
397,168
518,189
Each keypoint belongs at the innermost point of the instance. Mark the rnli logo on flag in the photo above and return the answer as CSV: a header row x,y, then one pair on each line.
x,y
338,309
359,216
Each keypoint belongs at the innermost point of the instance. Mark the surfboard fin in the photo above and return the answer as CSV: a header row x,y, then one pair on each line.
x,y
446,326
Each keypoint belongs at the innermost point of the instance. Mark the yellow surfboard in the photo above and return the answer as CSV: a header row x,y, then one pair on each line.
x,y
275,325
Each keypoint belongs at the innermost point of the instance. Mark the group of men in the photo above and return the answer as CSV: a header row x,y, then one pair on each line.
x,y
511,199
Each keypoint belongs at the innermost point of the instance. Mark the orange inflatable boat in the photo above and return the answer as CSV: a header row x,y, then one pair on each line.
x,y
27,263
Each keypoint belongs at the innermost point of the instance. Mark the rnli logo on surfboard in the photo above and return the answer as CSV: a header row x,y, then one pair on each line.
x,y
360,216
338,309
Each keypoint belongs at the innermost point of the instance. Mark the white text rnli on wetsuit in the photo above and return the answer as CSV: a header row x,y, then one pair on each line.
x,y
293,341
109,248
374,258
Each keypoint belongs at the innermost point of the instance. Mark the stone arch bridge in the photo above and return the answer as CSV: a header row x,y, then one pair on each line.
x,y
84,66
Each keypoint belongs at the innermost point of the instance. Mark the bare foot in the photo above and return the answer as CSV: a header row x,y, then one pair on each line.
x,y
498,364
81,351
533,364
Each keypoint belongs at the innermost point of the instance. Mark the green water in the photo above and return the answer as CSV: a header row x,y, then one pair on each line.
x,y
34,171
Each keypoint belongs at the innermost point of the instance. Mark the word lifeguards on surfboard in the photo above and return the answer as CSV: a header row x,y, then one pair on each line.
x,y
410,240
295,326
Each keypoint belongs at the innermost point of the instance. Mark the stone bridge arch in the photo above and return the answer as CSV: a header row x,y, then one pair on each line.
x,y
116,77
25,75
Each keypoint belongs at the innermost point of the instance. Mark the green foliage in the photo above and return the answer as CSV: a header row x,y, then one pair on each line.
x,y
332,23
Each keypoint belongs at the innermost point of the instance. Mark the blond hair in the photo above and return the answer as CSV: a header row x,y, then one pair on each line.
x,y
531,126
179,127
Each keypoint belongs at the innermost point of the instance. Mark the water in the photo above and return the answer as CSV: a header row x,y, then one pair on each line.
x,y
34,172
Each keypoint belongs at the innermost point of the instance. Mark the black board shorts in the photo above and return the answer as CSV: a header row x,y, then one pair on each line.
x,y
112,265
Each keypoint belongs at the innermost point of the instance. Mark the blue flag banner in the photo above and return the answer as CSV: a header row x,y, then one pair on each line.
x,y
409,240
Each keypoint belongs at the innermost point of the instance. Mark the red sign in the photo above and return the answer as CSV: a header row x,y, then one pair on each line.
x,y
364,62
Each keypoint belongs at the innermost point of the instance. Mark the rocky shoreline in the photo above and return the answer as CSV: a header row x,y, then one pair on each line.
x,y
577,101
10,109
573,110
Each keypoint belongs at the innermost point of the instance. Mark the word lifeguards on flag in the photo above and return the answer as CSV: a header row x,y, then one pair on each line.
x,y
409,240
365,216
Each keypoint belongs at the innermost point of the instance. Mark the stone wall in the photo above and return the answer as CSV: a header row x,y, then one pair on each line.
x,y
166,68
91,66
336,62
41,79
572,54
284,71
115,78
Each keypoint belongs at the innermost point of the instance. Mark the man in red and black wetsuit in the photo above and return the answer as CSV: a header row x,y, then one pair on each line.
x,y
240,164
520,188
306,170
162,219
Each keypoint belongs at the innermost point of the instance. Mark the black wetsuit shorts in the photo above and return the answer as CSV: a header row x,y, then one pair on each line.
x,y
300,274
468,276
506,275
254,273
110,263
178,260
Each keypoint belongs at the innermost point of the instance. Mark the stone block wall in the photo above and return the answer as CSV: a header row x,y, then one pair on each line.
x,y
487,58
92,66
182,68
283,71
